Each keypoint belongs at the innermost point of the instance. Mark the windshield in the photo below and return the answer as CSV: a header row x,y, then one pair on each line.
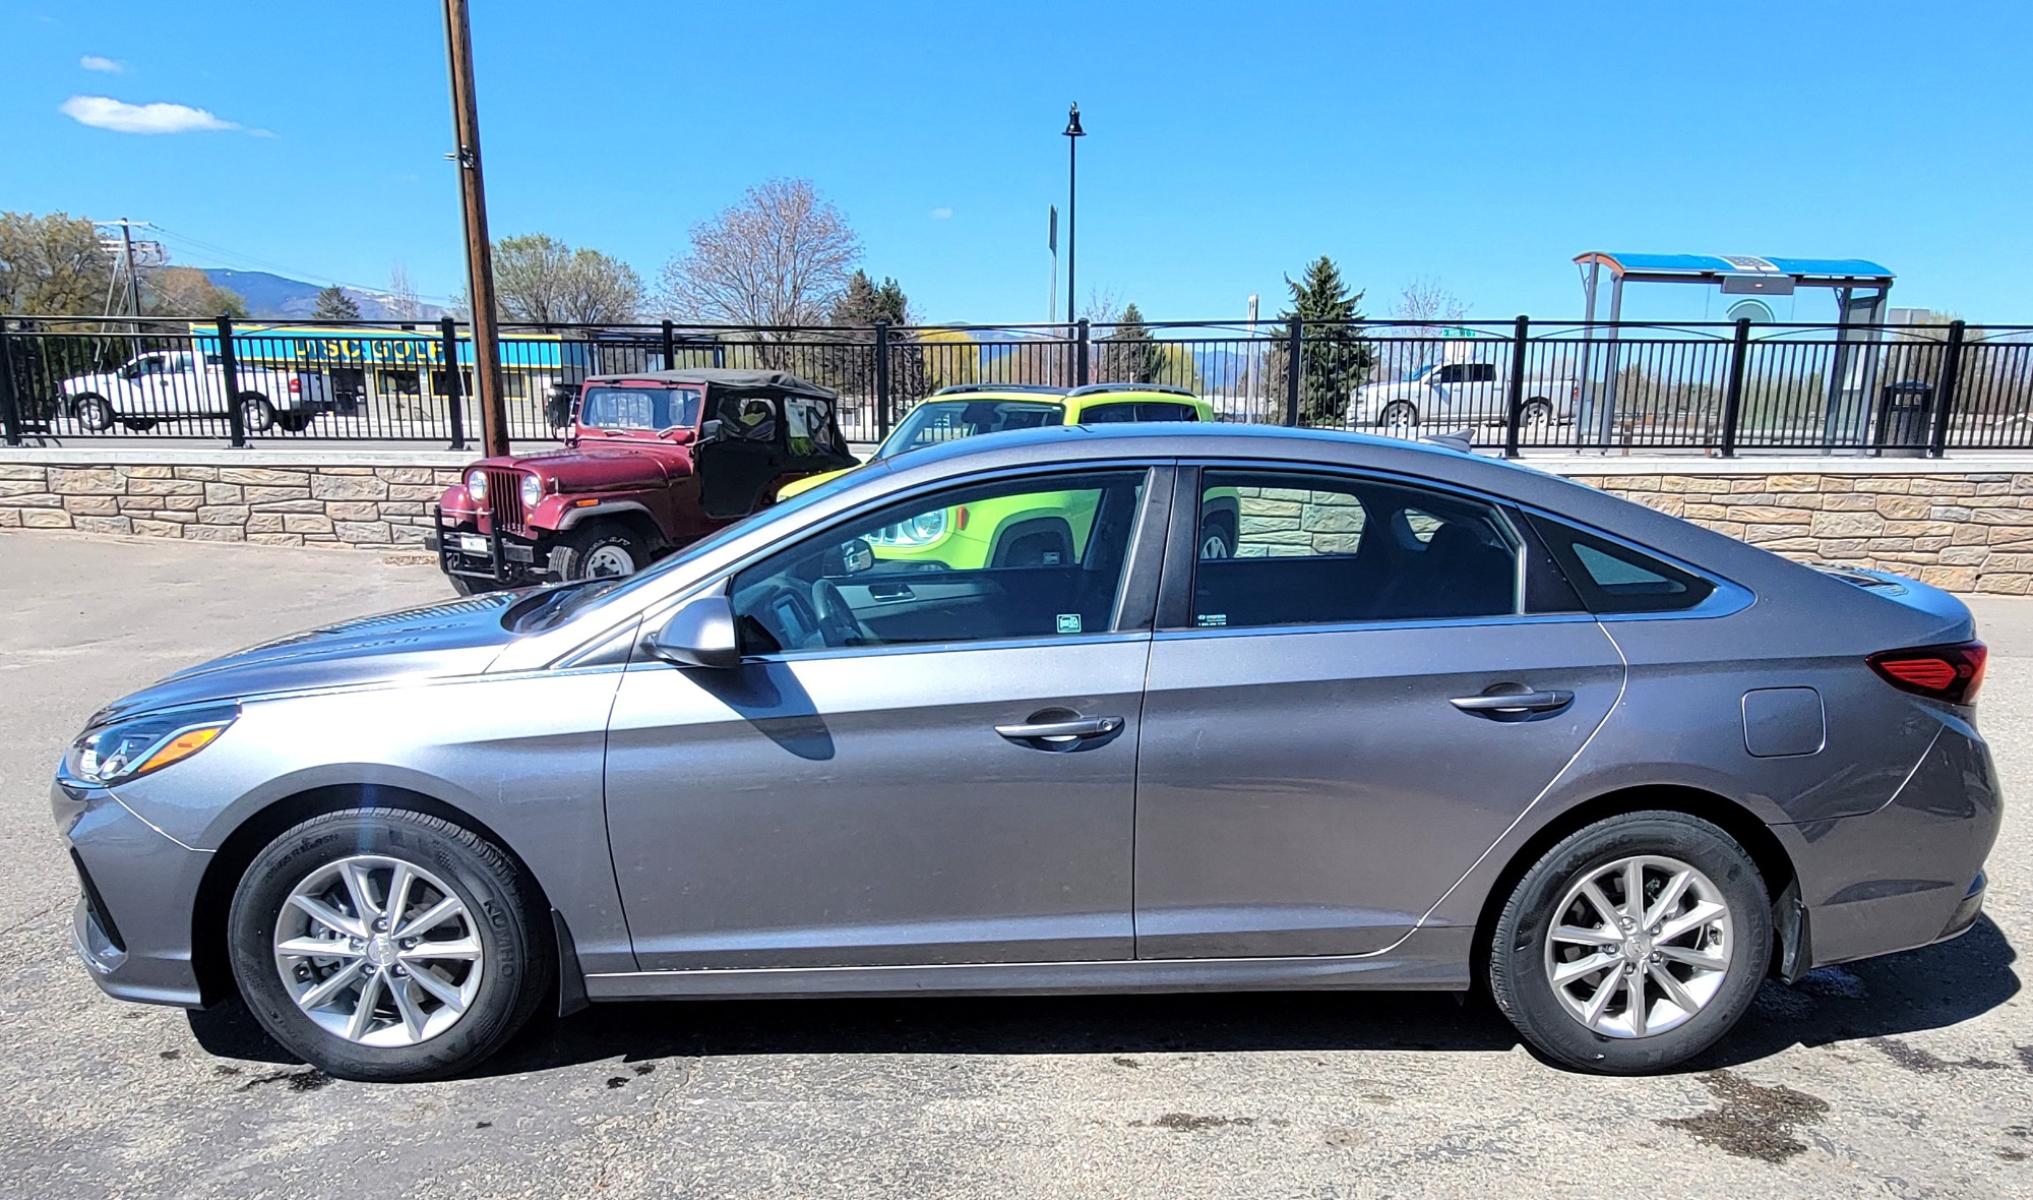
x,y
949,420
649,408
574,599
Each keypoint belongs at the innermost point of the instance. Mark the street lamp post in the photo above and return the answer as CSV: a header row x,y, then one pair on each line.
x,y
1073,134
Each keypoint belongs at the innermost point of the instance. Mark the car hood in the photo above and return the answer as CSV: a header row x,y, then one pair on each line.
x,y
592,467
459,637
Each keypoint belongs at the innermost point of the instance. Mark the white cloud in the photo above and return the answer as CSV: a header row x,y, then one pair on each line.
x,y
104,112
942,214
99,62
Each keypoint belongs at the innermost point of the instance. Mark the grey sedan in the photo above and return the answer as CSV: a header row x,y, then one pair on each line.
x,y
996,716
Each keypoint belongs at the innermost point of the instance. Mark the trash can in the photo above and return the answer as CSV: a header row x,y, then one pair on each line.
x,y
1905,419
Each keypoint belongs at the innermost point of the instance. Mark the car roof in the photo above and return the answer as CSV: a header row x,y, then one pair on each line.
x,y
1085,396
733,379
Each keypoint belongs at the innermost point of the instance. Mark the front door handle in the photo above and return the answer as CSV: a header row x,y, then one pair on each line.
x,y
1511,704
1061,732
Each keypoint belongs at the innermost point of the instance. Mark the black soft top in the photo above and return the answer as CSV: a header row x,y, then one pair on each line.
x,y
729,380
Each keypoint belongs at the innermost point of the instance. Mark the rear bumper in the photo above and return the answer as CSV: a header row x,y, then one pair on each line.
x,y
137,893
1909,874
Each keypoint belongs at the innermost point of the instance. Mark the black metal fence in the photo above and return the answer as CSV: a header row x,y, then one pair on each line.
x,y
1517,385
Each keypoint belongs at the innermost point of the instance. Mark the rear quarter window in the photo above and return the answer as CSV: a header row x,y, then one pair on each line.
x,y
1614,578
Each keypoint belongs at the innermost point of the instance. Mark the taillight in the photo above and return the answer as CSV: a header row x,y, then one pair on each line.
x,y
1951,673
296,386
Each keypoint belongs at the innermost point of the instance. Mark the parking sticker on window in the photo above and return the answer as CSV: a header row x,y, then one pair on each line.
x,y
1069,622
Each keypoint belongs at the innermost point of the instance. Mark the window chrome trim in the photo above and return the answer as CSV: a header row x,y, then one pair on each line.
x,y
1378,626
840,652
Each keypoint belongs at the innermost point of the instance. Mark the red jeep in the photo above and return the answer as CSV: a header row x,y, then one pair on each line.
x,y
653,461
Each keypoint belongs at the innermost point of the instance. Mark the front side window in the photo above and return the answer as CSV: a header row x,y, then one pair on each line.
x,y
652,409
937,421
1313,549
1037,557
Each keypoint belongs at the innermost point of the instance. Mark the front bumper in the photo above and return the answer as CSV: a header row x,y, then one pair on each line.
x,y
500,558
137,895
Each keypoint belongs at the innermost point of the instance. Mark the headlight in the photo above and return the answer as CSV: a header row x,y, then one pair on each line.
x,y
920,530
532,491
130,749
476,486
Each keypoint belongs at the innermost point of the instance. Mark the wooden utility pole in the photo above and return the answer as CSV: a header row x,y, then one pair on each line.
x,y
479,251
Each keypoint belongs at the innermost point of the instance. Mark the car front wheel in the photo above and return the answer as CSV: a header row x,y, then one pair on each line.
x,y
1634,944
384,944
95,414
257,415
599,551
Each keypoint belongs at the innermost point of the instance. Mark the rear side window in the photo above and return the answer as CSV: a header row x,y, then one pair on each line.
x,y
1138,411
1613,578
1299,549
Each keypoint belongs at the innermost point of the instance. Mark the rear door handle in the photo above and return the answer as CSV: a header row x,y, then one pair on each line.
x,y
1513,703
1074,729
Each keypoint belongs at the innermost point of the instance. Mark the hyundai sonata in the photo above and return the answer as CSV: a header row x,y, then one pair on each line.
x,y
1429,721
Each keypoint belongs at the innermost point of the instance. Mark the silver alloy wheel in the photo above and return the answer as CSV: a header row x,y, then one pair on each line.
x,y
378,951
1213,545
1538,412
1638,946
609,561
1398,414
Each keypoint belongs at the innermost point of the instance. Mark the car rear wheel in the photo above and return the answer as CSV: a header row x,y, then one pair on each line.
x,y
1398,415
1632,945
95,414
383,944
256,413
603,550
1537,412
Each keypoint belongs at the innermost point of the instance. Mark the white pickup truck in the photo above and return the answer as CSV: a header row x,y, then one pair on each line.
x,y
171,384
1461,393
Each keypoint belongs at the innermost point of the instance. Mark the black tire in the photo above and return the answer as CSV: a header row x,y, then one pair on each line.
x,y
293,422
1517,972
1397,414
1536,411
256,413
137,424
467,585
1217,536
94,413
519,966
599,543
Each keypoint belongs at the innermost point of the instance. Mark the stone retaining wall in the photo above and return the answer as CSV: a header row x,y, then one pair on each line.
x,y
369,508
1949,523
1965,532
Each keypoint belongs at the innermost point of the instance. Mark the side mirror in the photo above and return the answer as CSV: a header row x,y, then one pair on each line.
x,y
856,556
709,430
699,634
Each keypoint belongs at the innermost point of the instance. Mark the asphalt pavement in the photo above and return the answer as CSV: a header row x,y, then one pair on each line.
x,y
1905,1076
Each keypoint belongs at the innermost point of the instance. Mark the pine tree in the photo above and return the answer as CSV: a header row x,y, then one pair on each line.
x,y
1128,354
851,368
1333,357
335,305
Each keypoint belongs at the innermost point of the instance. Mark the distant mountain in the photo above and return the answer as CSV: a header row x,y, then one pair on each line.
x,y
274,297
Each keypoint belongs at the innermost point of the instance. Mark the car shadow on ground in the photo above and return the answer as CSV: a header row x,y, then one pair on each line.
x,y
1925,989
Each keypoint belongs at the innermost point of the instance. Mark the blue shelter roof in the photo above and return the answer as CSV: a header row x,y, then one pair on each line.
x,y
1695,266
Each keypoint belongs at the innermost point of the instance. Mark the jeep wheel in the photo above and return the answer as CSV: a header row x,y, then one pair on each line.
x,y
604,550
95,414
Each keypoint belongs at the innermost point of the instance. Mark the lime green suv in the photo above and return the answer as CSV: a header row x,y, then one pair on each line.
x,y
1041,528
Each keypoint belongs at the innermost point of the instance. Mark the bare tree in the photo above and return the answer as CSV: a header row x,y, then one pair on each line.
x,y
401,303
1427,301
1103,307
539,279
779,257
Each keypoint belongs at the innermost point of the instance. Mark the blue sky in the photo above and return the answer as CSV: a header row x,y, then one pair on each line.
x,y
1480,145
